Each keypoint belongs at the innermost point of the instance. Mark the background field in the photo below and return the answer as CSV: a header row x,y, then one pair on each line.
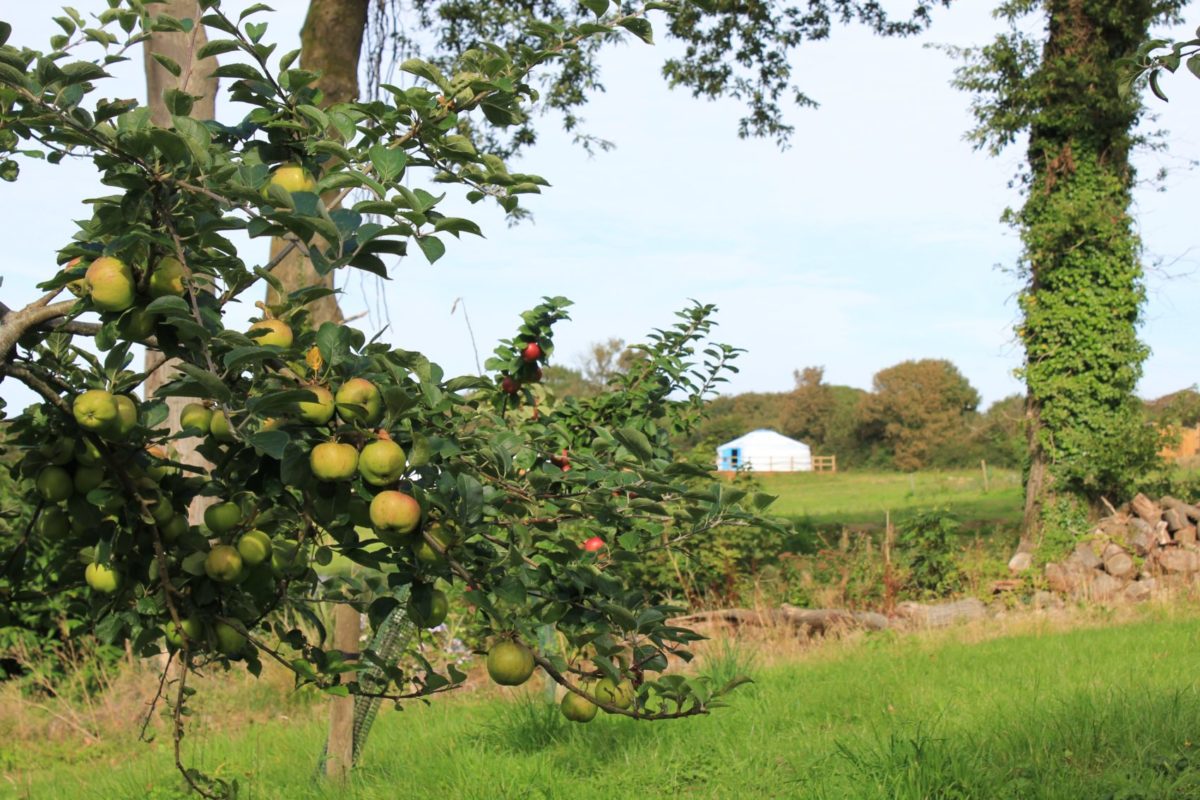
x,y
1041,712
862,498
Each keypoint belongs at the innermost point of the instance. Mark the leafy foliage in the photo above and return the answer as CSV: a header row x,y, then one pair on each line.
x,y
492,491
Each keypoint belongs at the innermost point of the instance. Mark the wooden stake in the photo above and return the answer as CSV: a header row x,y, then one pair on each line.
x,y
983,466
340,756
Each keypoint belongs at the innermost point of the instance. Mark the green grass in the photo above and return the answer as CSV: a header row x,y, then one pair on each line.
x,y
861,499
1090,713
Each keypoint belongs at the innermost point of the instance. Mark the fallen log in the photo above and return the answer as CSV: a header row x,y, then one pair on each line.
x,y
811,621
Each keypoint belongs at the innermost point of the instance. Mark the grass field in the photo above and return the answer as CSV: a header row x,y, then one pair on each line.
x,y
1109,712
861,499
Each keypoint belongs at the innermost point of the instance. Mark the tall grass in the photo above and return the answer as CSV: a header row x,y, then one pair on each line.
x,y
1038,712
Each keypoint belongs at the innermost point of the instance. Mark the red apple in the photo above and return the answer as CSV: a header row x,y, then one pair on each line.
x,y
593,544
510,385
532,352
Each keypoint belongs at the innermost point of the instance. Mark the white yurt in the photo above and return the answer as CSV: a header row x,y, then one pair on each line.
x,y
764,450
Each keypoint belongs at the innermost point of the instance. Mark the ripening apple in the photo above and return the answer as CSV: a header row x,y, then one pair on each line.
x,y
271,333
96,410
333,461
381,462
593,544
359,400
510,385
221,518
532,352
223,563
167,278
293,178
54,484
110,284
102,578
196,419
394,514
319,411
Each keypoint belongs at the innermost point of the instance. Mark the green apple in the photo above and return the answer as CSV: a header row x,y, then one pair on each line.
x,y
359,400
137,325
254,547
127,418
333,461
102,578
87,453
167,278
223,563
221,518
175,527
220,427
319,411
110,284
230,641
425,552
381,462
53,523
427,609
88,478
54,484
613,693
96,410
578,709
191,627
58,452
510,663
196,419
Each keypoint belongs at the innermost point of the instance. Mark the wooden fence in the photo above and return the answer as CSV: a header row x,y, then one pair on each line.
x,y
824,463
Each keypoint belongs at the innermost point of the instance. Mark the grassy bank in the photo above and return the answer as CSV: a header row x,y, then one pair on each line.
x,y
1037,713
861,499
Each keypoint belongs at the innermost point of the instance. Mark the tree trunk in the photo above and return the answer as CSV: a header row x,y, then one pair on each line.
x,y
330,43
196,79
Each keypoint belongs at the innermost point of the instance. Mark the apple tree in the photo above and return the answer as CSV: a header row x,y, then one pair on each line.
x,y
325,444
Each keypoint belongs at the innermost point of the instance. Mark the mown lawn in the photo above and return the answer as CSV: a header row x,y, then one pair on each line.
x,y
862,499
1088,713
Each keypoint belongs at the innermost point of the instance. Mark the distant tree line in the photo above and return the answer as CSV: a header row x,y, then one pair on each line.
x,y
918,415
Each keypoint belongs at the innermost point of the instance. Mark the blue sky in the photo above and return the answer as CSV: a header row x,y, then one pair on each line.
x,y
875,238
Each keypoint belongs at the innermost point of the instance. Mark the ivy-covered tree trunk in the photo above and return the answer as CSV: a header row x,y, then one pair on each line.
x,y
1081,305
195,78
1081,260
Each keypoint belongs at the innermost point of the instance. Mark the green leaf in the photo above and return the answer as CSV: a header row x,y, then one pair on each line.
x,y
240,71
429,72
432,247
639,28
271,443
212,384
5,31
216,47
388,162
635,442
597,7
169,64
